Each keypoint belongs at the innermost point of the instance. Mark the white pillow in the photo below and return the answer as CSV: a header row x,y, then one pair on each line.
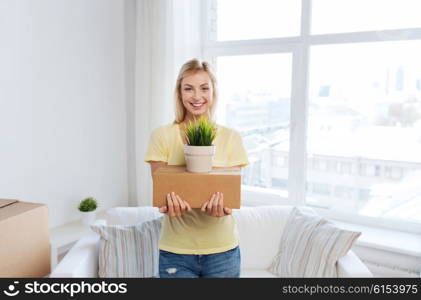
x,y
311,246
129,250
124,215
260,229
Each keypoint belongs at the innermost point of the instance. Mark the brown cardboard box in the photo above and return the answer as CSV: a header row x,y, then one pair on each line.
x,y
197,188
24,239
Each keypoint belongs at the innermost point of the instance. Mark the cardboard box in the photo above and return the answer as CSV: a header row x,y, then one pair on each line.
x,y
197,188
24,239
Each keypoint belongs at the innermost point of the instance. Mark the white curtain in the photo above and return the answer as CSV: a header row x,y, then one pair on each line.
x,y
168,33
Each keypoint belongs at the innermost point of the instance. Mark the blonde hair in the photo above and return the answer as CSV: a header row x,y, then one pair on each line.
x,y
191,67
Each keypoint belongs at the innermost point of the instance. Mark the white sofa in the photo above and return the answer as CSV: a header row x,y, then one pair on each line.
x,y
260,230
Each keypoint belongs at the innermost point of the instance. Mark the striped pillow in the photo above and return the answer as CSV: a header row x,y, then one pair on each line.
x,y
310,247
129,250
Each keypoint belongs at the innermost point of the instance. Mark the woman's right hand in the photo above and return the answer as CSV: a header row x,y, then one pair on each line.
x,y
175,207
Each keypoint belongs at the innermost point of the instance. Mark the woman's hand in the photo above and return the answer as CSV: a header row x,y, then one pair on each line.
x,y
175,206
215,206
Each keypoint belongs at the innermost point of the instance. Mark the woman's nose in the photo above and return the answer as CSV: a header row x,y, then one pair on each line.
x,y
196,94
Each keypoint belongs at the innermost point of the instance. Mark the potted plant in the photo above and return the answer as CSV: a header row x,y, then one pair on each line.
x,y
199,150
87,207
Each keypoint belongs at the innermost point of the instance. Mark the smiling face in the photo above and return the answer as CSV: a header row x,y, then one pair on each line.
x,y
196,94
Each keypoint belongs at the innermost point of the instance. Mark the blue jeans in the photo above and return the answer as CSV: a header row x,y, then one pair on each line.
x,y
224,264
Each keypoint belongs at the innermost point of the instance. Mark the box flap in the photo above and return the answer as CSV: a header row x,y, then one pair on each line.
x,y
215,170
6,202
10,208
171,169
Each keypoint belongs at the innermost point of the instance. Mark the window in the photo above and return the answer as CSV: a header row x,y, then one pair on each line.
x,y
362,169
334,16
323,165
378,171
345,168
396,173
258,106
240,20
329,108
332,166
370,85
321,188
279,160
364,195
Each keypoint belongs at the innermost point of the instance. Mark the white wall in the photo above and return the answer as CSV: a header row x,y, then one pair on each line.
x,y
63,104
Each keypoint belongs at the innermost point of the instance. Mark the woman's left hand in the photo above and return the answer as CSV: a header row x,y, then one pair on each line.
x,y
215,206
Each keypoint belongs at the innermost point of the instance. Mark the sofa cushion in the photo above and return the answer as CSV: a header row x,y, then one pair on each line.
x,y
310,246
131,215
260,229
129,250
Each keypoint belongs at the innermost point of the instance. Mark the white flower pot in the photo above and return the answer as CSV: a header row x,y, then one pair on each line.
x,y
88,217
199,158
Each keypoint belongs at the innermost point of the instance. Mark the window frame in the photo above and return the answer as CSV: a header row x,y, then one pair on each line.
x,y
299,47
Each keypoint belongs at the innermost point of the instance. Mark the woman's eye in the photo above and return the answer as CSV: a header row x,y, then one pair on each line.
x,y
189,89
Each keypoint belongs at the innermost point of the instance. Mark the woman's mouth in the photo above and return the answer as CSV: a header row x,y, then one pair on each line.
x,y
197,106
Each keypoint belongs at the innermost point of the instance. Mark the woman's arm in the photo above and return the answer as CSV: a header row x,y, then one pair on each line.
x,y
156,165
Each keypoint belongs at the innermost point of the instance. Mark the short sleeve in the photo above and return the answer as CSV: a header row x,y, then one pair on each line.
x,y
238,155
157,148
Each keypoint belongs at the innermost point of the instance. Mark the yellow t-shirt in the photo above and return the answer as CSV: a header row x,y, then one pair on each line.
x,y
196,232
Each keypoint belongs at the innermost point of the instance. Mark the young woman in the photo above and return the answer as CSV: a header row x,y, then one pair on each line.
x,y
196,242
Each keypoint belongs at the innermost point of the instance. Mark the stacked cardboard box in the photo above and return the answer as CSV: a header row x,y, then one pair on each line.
x,y
24,239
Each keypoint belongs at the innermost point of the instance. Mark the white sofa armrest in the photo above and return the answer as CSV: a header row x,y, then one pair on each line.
x,y
81,260
351,266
